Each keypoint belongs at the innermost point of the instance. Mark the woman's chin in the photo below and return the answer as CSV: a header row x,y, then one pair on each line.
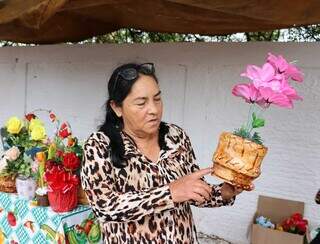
x,y
152,128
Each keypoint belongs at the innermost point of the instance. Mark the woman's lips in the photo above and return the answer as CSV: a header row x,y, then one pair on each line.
x,y
153,121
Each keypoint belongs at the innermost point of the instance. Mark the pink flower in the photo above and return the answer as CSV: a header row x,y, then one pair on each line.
x,y
273,97
290,92
265,76
13,153
282,66
247,91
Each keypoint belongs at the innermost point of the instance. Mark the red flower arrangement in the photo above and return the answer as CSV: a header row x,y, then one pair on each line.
x,y
62,188
295,224
61,163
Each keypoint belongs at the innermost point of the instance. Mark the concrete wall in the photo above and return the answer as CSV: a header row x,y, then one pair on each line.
x,y
196,80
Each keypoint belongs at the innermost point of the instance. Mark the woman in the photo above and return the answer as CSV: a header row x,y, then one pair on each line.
x,y
140,174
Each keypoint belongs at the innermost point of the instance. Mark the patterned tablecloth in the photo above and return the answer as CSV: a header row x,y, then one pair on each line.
x,y
23,222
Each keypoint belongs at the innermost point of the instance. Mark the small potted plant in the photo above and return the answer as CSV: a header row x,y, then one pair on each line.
x,y
62,168
238,156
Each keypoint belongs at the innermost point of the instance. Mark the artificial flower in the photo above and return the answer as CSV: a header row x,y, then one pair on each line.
x,y
12,153
35,123
247,91
60,180
269,86
14,125
64,130
71,161
71,141
38,133
289,70
30,116
52,116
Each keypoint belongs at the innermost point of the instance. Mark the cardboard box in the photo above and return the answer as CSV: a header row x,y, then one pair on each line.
x,y
277,210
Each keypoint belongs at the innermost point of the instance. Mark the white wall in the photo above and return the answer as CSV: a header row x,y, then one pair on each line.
x,y
196,81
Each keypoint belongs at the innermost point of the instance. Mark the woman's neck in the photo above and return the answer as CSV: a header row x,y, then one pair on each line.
x,y
142,138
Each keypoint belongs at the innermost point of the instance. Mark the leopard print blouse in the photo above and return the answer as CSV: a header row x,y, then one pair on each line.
x,y
133,204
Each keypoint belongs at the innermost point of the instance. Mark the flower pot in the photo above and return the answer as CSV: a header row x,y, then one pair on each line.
x,y
237,160
42,200
8,184
63,202
26,187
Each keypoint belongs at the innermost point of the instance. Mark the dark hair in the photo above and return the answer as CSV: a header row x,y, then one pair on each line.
x,y
118,90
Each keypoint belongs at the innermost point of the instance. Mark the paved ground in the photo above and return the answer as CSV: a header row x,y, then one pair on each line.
x,y
211,239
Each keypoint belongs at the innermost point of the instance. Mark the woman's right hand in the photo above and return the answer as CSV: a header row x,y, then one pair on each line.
x,y
191,187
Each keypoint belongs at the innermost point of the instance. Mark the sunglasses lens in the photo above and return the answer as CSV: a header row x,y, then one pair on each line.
x,y
147,68
129,74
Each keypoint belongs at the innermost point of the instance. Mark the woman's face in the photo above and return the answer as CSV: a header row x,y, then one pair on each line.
x,y
142,109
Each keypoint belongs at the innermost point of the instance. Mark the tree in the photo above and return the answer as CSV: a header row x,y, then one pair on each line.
x,y
309,33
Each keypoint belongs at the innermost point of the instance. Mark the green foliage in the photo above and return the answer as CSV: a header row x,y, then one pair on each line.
x,y
257,122
244,133
20,166
308,33
256,138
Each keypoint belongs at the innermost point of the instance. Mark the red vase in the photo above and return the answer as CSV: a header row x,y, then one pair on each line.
x,y
63,202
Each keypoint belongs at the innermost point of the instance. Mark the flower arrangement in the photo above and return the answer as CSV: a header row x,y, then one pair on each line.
x,y
62,167
54,162
270,84
295,224
239,155
21,138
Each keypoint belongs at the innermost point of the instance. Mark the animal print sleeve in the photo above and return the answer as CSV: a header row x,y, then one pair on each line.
x,y
97,179
216,200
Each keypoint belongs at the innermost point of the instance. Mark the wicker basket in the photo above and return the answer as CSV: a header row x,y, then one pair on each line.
x,y
8,184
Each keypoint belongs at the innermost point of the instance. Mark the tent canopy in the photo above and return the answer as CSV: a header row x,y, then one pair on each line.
x,y
54,21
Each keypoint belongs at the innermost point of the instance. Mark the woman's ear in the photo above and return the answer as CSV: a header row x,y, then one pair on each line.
x,y
116,109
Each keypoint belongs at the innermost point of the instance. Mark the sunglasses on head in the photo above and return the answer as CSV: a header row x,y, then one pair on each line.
x,y
130,74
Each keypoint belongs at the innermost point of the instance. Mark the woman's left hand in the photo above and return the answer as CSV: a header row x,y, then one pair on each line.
x,y
228,191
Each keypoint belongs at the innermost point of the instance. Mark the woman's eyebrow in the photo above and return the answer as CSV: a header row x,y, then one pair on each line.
x,y
145,98
140,98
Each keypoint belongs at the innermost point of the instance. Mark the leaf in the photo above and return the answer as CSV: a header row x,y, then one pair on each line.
x,y
257,122
51,151
254,116
256,138
242,132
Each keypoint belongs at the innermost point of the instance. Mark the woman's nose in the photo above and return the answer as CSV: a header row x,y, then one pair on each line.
x,y
153,108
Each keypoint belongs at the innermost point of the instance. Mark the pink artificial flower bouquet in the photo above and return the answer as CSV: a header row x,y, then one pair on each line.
x,y
270,84
239,155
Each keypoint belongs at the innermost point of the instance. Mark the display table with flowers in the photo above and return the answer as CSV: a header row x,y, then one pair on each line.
x,y
22,221
41,199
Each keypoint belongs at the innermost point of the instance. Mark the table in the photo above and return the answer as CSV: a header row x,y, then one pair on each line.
x,y
22,222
